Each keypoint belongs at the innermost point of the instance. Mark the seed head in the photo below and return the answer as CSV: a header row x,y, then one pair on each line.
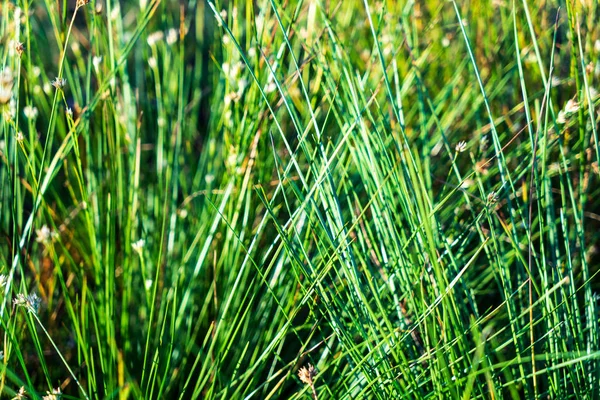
x,y
59,83
31,302
56,394
492,198
19,48
306,375
20,394
461,146
30,112
172,36
572,106
138,246
155,37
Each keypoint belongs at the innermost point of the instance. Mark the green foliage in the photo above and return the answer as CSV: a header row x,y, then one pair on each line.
x,y
402,194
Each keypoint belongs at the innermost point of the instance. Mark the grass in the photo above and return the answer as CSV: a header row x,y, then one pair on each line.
x,y
301,199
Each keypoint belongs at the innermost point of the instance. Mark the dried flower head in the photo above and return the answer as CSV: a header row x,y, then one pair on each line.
x,y
492,197
461,146
20,48
59,83
306,375
81,3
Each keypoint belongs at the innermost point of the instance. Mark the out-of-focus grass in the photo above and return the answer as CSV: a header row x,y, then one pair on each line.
x,y
402,194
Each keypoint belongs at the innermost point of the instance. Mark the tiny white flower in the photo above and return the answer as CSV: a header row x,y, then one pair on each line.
x,y
56,394
556,81
461,146
155,37
572,106
138,246
12,108
59,83
6,77
270,88
231,97
152,62
20,394
561,118
172,36
31,302
69,112
30,112
19,136
236,69
43,234
96,61
148,284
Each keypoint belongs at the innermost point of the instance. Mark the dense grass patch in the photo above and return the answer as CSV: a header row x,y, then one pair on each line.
x,y
326,199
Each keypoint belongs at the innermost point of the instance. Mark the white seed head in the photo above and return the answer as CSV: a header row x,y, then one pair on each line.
x,y
155,37
172,36
572,106
59,83
96,61
31,302
461,146
55,394
138,246
30,112
270,88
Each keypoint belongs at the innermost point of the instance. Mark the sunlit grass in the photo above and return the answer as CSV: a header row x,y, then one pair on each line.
x,y
309,199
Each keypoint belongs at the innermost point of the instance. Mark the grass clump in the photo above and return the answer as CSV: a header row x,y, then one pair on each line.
x,y
264,199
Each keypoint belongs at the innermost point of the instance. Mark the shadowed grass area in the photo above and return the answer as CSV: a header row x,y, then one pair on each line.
x,y
299,199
